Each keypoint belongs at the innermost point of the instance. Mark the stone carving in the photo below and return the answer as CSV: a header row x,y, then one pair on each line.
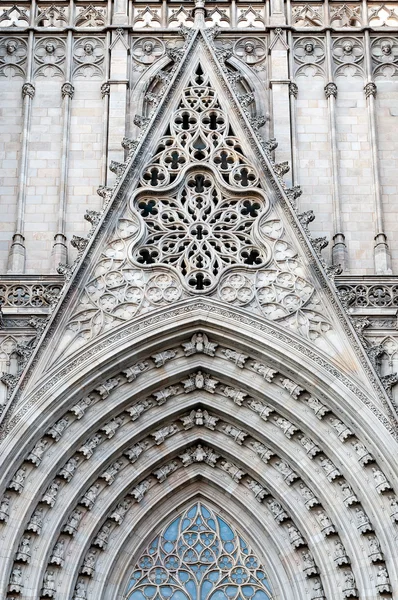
x,y
258,490
57,430
309,56
262,451
237,434
340,555
5,508
135,452
136,410
162,357
200,381
90,496
73,522
51,493
348,55
375,553
49,55
36,521
17,483
16,16
133,372
146,51
325,523
233,471
88,58
363,523
342,430
364,456
310,499
90,445
105,388
319,409
286,426
111,472
382,485
13,53
349,497
147,17
101,541
317,592
385,57
199,418
260,408
16,584
140,490
90,559
321,243
309,567
199,454
277,510
90,16
330,469
236,357
394,506
58,553
36,456
307,15
111,427
80,408
162,395
309,446
236,288
250,17
120,511
48,590
237,396
161,434
349,588
383,580
288,474
266,372
295,537
80,591
293,389
250,49
199,343
69,469
24,550
52,16
166,470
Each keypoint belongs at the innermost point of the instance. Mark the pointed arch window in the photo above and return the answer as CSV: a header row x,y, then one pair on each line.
x,y
198,556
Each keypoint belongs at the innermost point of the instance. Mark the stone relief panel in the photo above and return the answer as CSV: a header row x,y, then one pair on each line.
x,y
49,57
148,17
180,16
218,16
13,54
345,15
309,57
348,53
52,16
307,15
88,58
251,50
14,16
90,16
145,51
384,52
250,17
382,15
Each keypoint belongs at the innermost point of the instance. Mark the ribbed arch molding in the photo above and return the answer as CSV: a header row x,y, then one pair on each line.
x,y
201,413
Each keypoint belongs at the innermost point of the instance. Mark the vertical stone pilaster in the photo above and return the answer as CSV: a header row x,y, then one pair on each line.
x,y
279,85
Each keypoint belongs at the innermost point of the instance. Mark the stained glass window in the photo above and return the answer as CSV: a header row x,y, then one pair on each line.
x,y
198,557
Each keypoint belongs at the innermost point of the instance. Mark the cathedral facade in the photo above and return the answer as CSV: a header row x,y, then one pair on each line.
x,y
198,300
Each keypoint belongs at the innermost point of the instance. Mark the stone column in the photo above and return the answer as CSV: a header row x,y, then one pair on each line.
x,y
381,252
339,249
17,252
279,85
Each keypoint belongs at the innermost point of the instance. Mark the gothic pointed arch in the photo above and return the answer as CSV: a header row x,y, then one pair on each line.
x,y
198,356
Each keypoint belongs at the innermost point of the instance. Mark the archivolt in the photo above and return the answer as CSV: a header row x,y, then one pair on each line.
x,y
211,415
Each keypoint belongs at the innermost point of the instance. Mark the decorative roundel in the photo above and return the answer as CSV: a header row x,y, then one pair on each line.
x,y
252,50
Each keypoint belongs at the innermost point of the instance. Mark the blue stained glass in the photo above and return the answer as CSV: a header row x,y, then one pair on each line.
x,y
198,557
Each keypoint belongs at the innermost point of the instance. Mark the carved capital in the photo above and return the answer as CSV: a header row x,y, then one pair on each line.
x,y
330,89
105,89
370,89
293,89
67,89
28,89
